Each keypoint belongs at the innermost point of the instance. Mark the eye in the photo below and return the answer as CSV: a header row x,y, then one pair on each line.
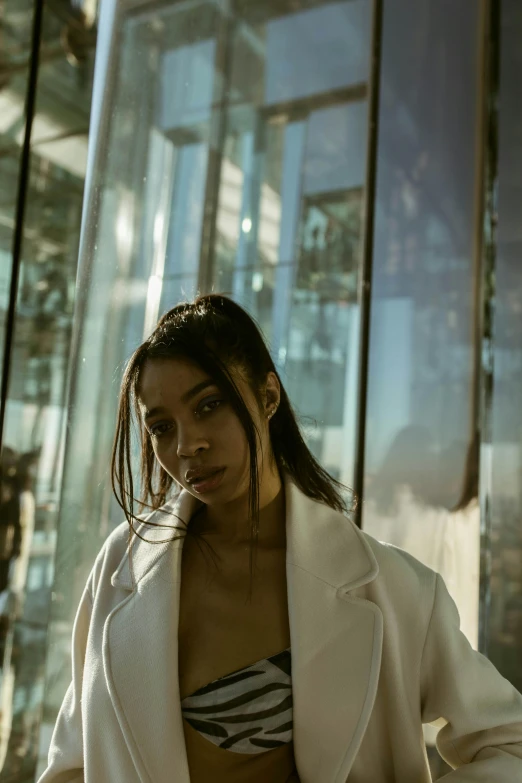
x,y
156,430
215,403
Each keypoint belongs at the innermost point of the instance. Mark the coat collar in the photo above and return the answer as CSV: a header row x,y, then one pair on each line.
x,y
330,546
336,642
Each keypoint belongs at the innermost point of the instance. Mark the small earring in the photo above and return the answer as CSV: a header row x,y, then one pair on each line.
x,y
272,412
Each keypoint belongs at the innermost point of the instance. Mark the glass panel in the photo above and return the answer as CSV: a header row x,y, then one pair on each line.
x,y
291,195
227,161
504,626
35,415
15,41
312,51
421,456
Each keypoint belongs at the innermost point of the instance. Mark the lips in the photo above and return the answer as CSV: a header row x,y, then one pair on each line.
x,y
197,475
209,484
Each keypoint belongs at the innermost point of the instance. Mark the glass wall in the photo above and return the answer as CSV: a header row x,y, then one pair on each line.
x,y
229,151
421,414
234,184
231,156
504,637
15,46
421,450
33,433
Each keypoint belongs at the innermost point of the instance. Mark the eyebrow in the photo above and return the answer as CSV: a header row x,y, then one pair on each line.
x,y
184,398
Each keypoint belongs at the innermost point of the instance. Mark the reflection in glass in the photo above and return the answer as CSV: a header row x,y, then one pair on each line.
x,y
504,621
420,438
32,454
289,213
15,43
229,162
421,452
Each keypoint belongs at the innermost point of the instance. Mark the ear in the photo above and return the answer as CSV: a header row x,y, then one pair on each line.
x,y
272,392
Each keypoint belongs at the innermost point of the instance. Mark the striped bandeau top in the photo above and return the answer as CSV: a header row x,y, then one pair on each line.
x,y
247,711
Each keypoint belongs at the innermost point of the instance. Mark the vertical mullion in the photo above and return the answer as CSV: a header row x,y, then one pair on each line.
x,y
367,255
217,136
486,273
21,200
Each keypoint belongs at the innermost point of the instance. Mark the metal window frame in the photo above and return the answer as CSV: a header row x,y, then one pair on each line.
x,y
21,201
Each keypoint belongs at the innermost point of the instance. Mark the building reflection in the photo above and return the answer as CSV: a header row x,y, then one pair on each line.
x,y
447,538
31,460
231,154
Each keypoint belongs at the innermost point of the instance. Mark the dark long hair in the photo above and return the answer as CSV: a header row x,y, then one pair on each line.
x,y
223,339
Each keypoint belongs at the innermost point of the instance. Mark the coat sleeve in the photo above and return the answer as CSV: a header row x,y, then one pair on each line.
x,y
481,738
65,760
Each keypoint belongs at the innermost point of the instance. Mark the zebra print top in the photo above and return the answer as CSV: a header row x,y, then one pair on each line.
x,y
247,711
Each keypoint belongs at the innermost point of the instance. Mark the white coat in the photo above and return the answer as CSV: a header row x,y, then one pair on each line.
x,y
376,652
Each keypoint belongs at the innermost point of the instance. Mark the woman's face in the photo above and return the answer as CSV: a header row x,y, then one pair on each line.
x,y
192,425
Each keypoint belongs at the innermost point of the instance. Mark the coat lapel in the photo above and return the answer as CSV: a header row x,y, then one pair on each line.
x,y
336,642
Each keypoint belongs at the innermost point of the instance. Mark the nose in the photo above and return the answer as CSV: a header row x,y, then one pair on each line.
x,y
187,452
190,442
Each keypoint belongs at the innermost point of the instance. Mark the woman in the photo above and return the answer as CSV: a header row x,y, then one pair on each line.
x,y
308,650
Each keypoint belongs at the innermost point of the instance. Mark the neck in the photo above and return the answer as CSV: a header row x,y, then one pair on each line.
x,y
228,525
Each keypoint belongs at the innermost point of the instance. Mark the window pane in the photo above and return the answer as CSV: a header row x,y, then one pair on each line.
x,y
315,51
288,236
421,456
221,165
504,621
32,454
17,19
